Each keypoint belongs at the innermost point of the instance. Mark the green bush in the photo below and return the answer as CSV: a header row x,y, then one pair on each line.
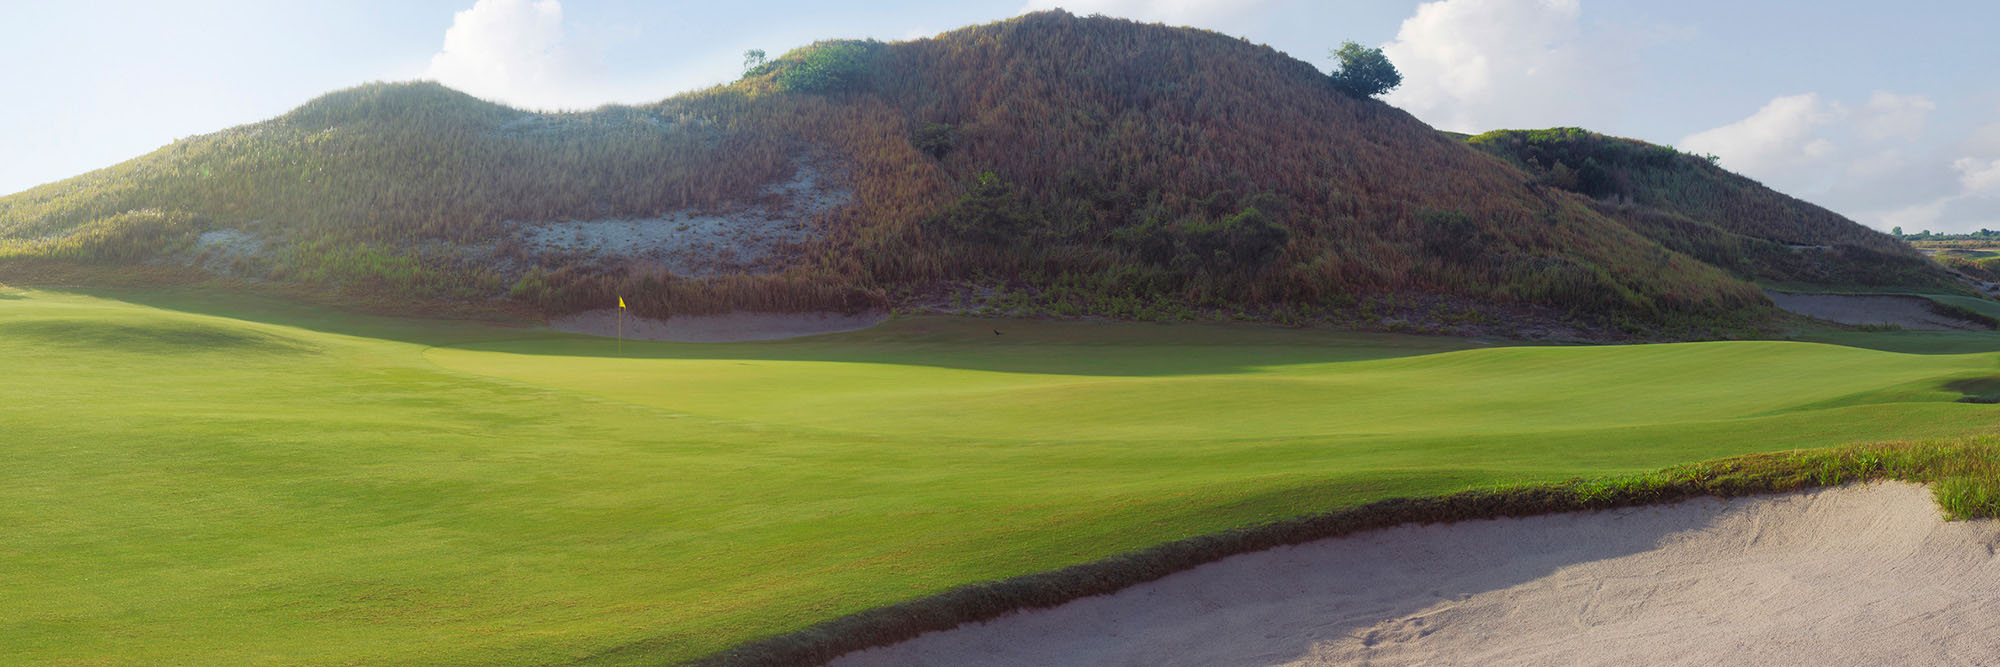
x,y
533,287
1245,241
1238,243
828,67
1453,235
989,212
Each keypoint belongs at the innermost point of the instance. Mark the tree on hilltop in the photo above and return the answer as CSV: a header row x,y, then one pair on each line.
x,y
1364,72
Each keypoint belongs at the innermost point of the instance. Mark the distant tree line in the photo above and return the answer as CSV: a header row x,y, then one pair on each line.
x,y
1927,235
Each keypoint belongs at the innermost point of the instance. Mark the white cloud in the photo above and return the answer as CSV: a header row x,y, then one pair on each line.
x,y
516,51
1951,214
1978,176
1476,65
1985,141
1878,166
1912,218
1782,135
1868,161
1198,13
1890,116
1973,204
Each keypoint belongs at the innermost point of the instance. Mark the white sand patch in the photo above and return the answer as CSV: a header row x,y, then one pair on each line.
x,y
219,250
753,239
1908,312
1856,575
730,328
231,241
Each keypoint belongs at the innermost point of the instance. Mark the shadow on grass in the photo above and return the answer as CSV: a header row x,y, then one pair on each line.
x,y
178,338
416,328
1093,348
1910,342
1134,359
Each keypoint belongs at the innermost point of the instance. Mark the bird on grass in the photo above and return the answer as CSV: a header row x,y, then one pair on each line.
x,y
996,332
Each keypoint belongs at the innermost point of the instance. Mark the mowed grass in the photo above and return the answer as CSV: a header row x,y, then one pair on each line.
x,y
204,481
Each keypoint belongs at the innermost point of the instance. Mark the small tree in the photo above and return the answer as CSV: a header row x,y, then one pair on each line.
x,y
753,59
1364,72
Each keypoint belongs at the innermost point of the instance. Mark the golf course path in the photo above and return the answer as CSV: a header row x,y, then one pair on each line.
x,y
727,328
1866,574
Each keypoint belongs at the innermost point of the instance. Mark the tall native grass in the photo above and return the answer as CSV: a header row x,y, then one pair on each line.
x,y
1690,205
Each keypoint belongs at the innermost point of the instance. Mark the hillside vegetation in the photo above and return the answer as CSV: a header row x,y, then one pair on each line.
x,y
1687,203
1079,165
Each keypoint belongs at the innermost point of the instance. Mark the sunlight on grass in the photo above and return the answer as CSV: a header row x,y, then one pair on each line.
x,y
219,480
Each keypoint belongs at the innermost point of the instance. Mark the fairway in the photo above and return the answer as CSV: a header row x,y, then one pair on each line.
x,y
202,480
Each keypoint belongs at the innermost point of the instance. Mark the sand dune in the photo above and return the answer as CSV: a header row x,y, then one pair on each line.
x,y
1856,575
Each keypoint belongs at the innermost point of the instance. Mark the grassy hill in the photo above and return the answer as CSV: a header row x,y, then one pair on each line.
x,y
1687,203
1077,165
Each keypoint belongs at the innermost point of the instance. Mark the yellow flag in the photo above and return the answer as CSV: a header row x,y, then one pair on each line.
x,y
621,302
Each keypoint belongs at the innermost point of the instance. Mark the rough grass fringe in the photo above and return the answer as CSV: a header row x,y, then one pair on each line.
x,y
1739,476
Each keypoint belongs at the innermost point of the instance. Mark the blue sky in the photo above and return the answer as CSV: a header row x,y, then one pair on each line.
x,y
1886,112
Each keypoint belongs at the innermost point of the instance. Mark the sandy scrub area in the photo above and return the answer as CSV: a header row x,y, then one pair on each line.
x,y
752,239
730,328
1866,574
1908,312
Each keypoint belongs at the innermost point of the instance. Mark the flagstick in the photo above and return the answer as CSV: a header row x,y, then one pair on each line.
x,y
621,326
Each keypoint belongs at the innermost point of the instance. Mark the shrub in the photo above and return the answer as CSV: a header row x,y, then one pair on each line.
x,y
1242,242
988,212
935,139
533,287
828,67
1453,235
1239,243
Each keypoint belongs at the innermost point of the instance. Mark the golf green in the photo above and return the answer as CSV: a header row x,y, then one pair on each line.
x,y
211,480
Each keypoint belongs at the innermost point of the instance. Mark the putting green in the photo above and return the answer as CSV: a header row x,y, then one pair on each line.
x,y
217,480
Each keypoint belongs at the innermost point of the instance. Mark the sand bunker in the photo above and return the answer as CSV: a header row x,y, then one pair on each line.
x,y
1856,575
730,328
1908,312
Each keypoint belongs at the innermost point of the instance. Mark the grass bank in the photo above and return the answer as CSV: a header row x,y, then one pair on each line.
x,y
1964,475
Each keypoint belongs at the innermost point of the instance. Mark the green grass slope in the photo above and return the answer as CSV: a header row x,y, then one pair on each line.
x,y
1091,165
197,478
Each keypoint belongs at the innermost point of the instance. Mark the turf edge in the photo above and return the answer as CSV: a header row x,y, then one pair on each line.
x,y
1964,475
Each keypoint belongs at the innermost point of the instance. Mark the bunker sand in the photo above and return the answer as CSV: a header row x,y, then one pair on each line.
x,y
1909,312
1867,574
